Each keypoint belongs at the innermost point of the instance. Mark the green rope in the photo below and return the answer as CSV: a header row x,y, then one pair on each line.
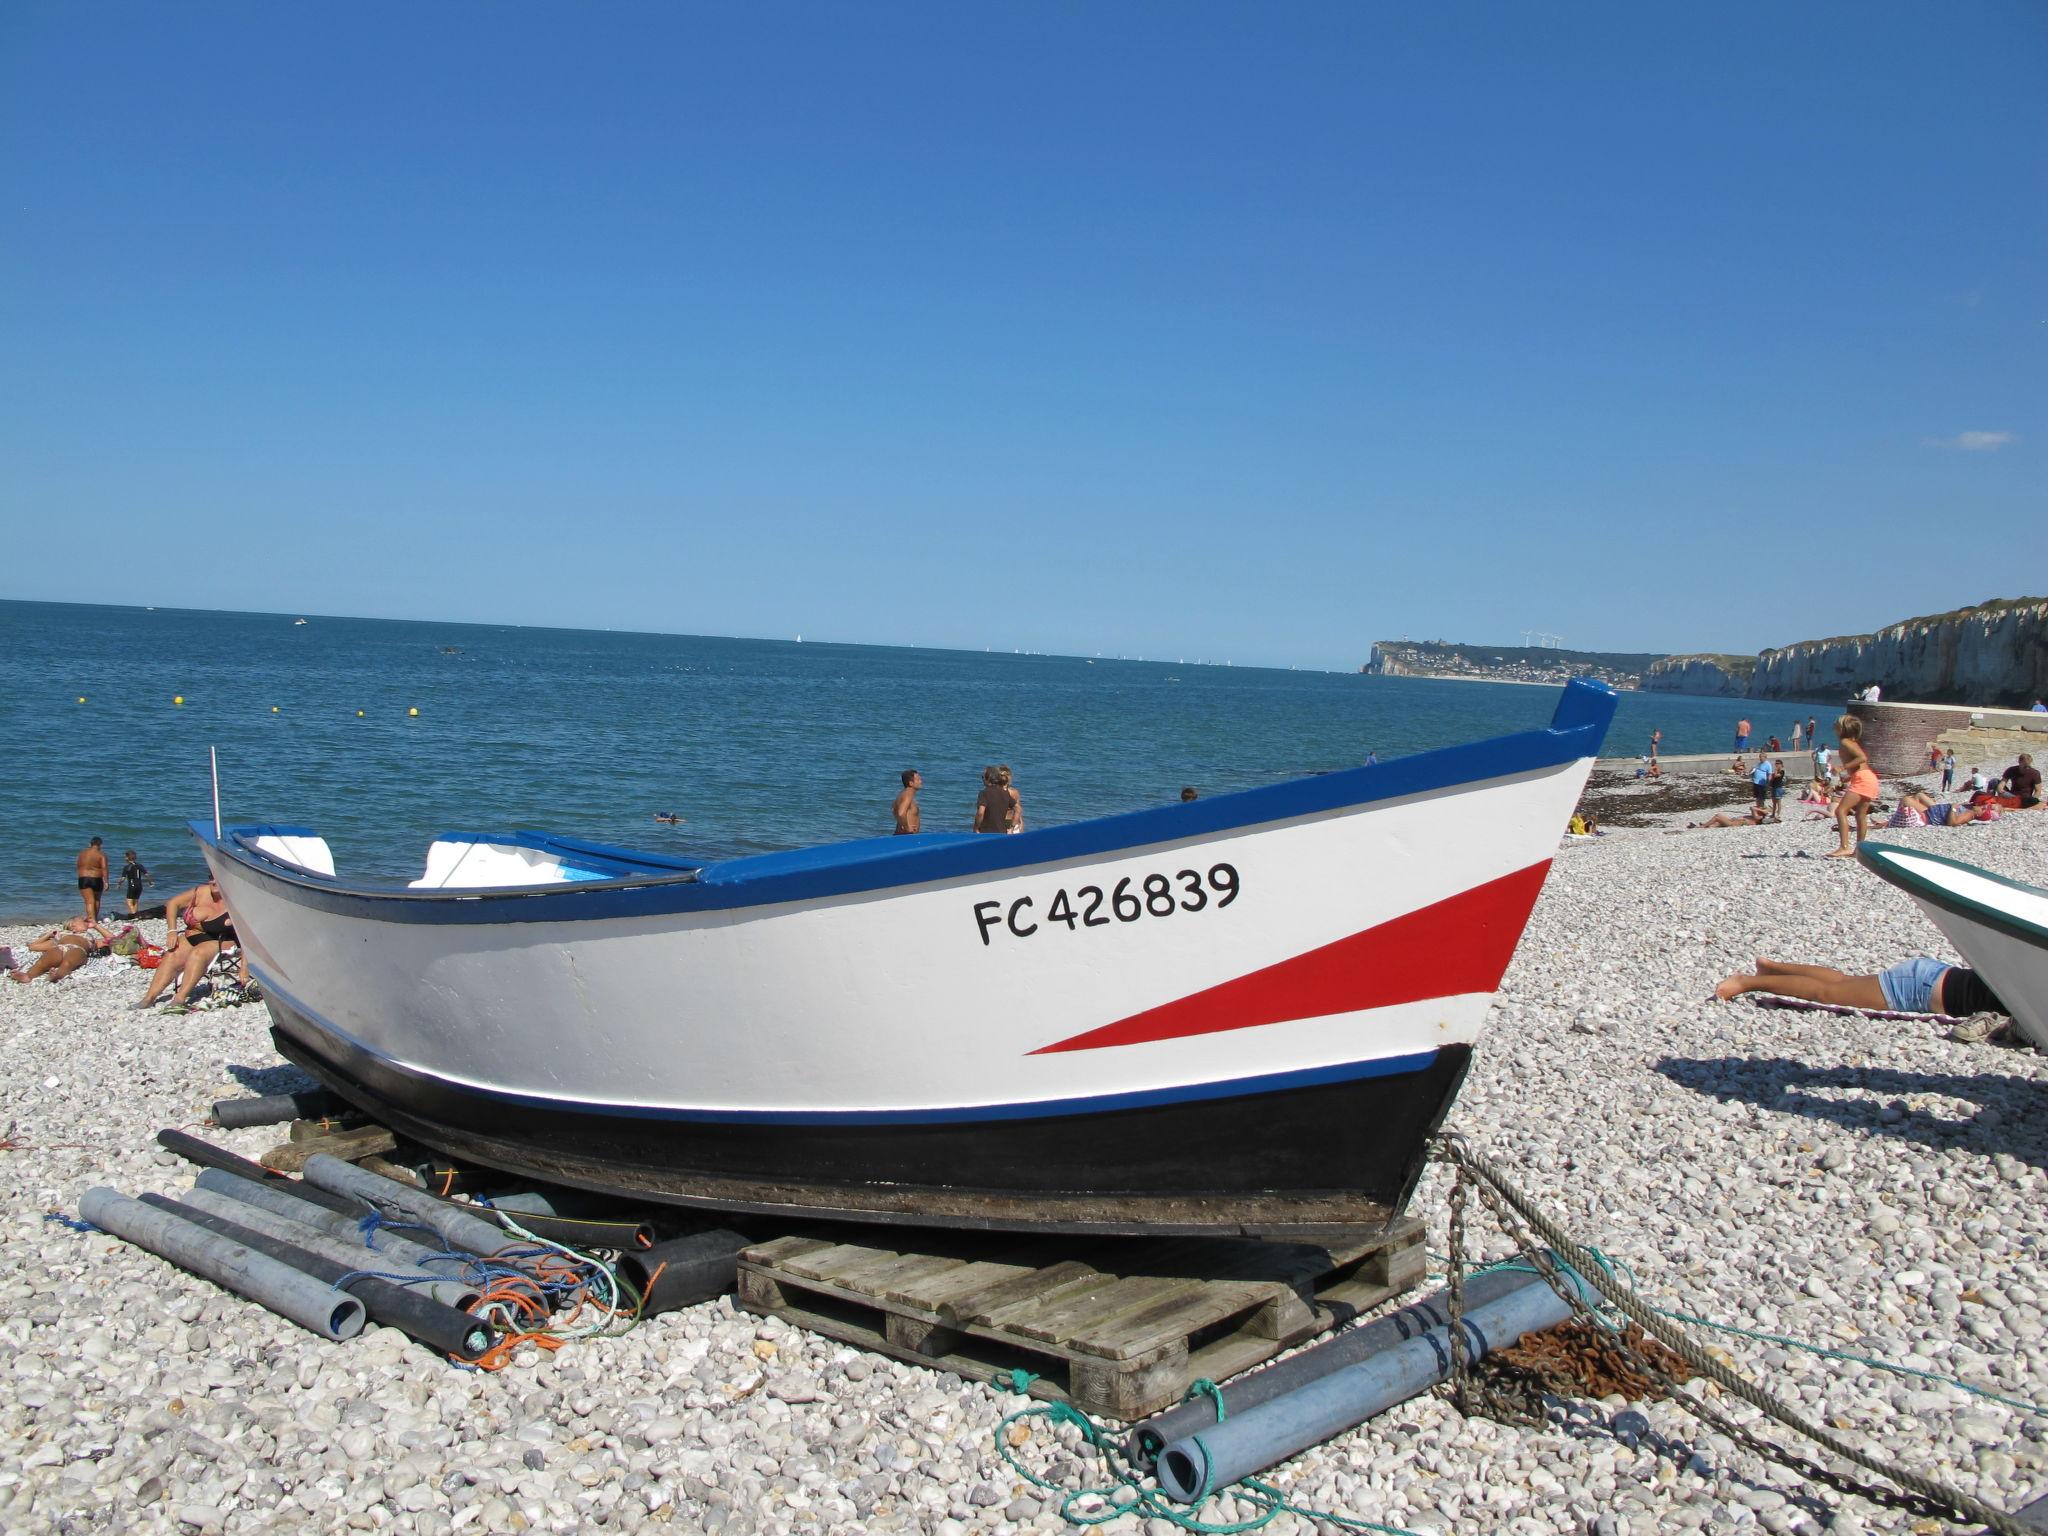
x,y
1616,1269
1129,1494
1843,1354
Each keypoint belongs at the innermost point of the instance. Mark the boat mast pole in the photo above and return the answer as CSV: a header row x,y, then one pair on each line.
x,y
213,757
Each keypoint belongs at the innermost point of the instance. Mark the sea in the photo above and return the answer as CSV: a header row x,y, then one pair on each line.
x,y
379,734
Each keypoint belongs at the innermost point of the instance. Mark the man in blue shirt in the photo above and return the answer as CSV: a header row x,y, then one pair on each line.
x,y
1760,783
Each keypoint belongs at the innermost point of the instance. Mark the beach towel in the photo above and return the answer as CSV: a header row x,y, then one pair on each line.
x,y
1772,1000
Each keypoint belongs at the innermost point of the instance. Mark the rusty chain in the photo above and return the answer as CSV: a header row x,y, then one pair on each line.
x,y
1542,1243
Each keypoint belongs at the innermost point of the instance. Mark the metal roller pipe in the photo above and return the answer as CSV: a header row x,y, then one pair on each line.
x,y
456,1227
290,1293
285,1202
438,1284
207,1155
1347,1348
435,1324
1220,1454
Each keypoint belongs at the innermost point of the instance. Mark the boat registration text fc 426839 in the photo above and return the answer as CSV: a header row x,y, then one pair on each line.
x,y
1152,895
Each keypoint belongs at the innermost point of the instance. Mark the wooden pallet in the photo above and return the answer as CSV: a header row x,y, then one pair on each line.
x,y
1117,1326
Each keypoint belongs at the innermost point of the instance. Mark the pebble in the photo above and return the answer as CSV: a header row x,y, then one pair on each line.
x,y
1869,1186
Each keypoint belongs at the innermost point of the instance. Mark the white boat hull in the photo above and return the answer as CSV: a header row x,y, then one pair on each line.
x,y
1999,926
1189,975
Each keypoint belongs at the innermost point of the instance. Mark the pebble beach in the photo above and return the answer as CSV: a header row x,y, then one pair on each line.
x,y
1873,1188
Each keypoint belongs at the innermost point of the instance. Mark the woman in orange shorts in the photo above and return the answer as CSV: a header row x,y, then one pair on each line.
x,y
1861,790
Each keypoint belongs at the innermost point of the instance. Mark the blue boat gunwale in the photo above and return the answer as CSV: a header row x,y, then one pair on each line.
x,y
1576,730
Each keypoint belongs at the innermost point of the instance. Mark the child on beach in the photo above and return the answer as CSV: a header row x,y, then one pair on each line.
x,y
1861,792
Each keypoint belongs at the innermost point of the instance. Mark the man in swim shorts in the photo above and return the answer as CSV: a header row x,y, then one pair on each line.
x,y
908,817
1741,734
2022,780
92,878
1919,985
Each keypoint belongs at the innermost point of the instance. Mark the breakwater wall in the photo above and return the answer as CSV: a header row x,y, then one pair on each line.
x,y
1897,736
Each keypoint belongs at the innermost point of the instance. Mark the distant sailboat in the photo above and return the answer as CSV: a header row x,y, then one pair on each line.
x,y
297,622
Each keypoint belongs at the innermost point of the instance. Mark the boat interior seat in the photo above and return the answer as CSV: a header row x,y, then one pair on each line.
x,y
299,847
460,864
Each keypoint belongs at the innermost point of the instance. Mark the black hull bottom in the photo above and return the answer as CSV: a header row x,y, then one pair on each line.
x,y
1333,1161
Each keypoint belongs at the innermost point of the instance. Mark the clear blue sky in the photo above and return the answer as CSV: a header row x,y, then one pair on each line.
x,y
1237,331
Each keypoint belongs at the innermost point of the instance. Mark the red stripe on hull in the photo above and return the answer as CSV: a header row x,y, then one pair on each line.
x,y
1459,945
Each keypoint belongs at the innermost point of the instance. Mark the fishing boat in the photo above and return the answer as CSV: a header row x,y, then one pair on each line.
x,y
1241,1014
1999,926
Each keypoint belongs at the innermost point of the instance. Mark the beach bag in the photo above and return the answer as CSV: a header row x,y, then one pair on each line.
x,y
127,942
149,956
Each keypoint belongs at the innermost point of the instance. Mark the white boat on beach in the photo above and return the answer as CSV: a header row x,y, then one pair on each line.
x,y
1999,926
1241,1014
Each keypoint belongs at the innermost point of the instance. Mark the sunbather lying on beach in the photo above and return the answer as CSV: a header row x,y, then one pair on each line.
x,y
1753,817
1917,808
1912,986
63,950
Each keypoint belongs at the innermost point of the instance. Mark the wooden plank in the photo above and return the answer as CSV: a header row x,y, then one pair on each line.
x,y
917,1271
291,1156
1175,1315
976,1307
1226,1357
824,1263
862,1271
885,1277
759,1290
1286,1315
1405,1266
1041,1318
398,1173
914,1336
1087,1317
935,1291
775,1250
1130,1389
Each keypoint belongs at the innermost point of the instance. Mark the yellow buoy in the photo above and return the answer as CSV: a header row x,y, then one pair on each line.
x,y
273,709
359,714
412,711
178,699
81,698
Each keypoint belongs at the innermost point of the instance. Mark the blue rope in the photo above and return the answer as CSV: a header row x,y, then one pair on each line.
x,y
66,1221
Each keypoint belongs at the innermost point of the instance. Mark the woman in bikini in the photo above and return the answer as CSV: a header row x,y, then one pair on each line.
x,y
1862,788
207,925
63,950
